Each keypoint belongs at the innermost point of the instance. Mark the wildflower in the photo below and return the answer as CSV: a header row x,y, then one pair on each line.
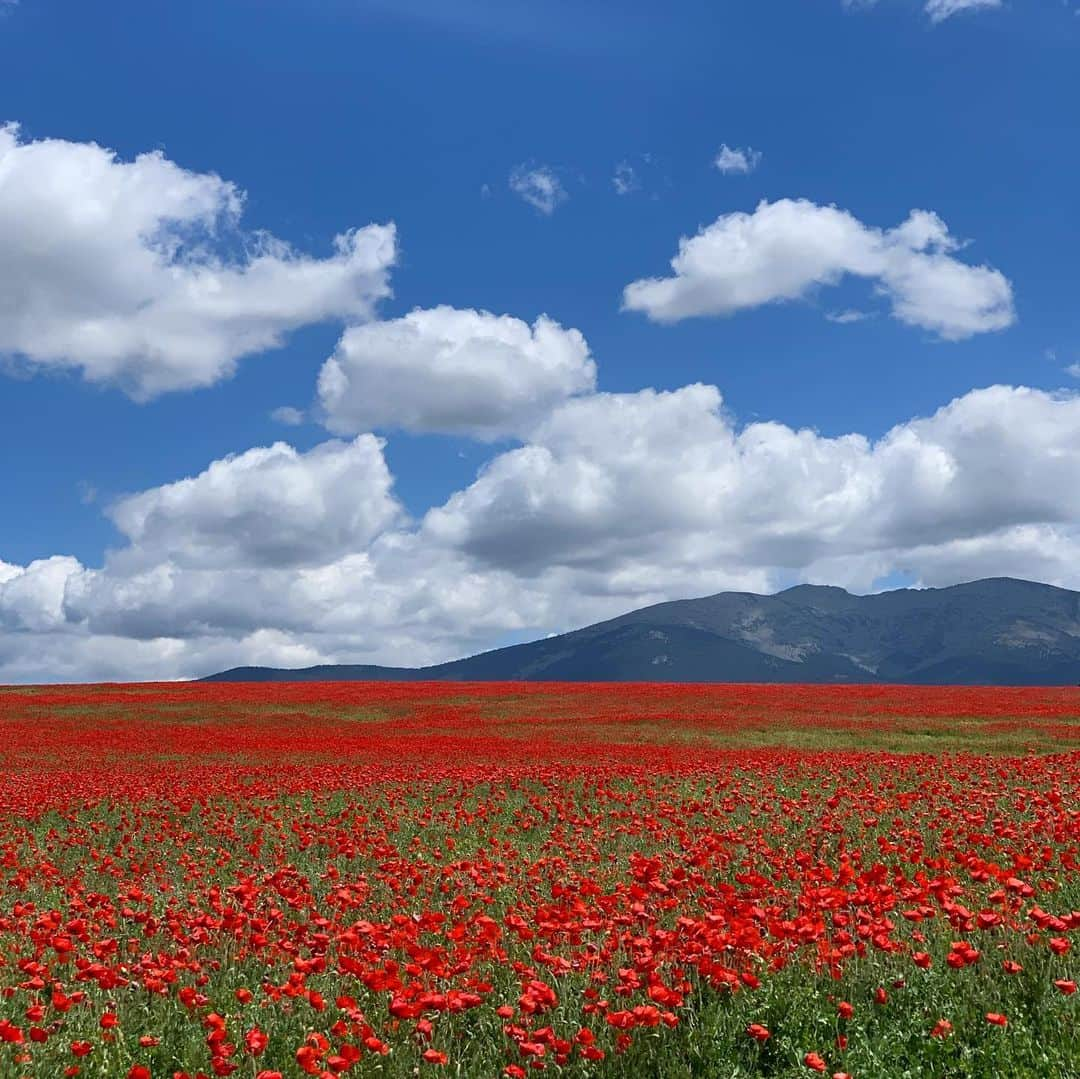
x,y
256,1041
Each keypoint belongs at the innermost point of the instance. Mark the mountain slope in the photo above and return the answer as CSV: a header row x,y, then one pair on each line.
x,y
998,631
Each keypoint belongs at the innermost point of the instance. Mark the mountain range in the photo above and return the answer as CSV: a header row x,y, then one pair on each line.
x,y
999,631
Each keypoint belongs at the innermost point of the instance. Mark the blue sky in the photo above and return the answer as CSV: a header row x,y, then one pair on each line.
x,y
337,114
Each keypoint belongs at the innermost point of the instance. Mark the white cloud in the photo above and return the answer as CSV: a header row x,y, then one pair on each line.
x,y
32,597
540,187
288,415
785,249
270,506
617,501
136,272
939,10
452,371
79,656
1073,369
665,482
731,160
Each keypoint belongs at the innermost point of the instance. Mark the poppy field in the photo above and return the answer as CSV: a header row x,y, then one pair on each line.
x,y
370,879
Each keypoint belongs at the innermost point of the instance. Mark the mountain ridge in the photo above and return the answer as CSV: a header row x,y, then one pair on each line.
x,y
993,631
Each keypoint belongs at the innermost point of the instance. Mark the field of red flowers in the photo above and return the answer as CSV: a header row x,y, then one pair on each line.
x,y
483,880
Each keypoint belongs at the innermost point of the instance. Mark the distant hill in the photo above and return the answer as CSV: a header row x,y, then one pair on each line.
x,y
999,631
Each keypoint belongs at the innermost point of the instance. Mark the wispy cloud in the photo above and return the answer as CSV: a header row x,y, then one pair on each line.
x,y
539,186
940,10
732,160
937,10
286,414
625,179
846,317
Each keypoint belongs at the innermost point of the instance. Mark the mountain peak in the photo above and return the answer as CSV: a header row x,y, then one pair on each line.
x,y
997,631
815,589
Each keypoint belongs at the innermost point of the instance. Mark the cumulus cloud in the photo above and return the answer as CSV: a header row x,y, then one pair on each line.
x,y
731,160
785,249
137,272
666,480
616,501
450,371
539,186
32,596
76,655
271,506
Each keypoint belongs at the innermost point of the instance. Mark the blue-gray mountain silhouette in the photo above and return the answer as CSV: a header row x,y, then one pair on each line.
x,y
998,631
